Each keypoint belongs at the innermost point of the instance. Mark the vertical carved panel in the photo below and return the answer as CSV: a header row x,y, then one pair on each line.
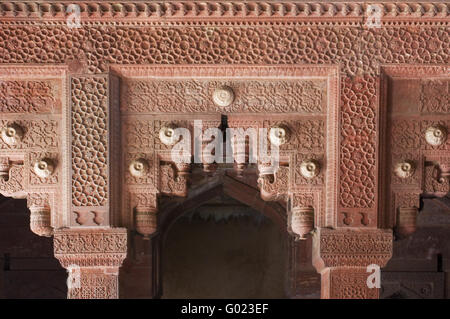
x,y
95,144
358,158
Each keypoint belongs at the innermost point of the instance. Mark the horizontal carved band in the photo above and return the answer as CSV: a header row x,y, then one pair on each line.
x,y
352,248
91,248
215,10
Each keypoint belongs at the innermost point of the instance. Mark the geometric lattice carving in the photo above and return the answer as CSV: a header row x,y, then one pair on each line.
x,y
89,141
358,146
350,284
95,284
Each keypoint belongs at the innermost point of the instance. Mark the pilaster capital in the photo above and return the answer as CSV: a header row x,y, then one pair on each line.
x,y
105,247
351,248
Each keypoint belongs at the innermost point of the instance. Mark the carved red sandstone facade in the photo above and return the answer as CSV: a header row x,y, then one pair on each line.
x,y
83,110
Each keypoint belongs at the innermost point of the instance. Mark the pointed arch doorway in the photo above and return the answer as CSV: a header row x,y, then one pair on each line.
x,y
225,243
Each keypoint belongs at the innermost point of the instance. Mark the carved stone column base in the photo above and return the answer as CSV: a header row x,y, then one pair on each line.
x,y
346,258
92,257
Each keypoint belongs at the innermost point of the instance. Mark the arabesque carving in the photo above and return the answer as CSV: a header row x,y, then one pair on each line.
x,y
418,143
95,256
315,67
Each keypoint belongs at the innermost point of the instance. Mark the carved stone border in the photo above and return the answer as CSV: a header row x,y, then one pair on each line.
x,y
195,12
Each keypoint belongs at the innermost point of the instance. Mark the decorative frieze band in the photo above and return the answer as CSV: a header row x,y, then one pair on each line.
x,y
187,11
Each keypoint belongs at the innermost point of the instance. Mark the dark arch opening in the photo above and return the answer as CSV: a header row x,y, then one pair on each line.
x,y
224,243
28,268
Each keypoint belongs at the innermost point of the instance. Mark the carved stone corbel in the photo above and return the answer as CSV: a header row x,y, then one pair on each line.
x,y
274,186
437,180
11,179
40,218
172,183
301,215
145,209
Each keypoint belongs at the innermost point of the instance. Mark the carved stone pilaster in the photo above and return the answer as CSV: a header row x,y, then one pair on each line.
x,y
342,257
95,147
92,258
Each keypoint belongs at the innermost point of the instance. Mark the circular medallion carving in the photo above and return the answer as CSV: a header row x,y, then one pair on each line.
x,y
309,168
139,167
12,134
167,135
223,96
44,168
404,169
279,135
436,135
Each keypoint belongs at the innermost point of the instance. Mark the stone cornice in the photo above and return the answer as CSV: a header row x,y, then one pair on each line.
x,y
196,12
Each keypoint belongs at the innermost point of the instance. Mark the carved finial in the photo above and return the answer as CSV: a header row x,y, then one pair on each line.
x,y
139,167
40,218
223,96
12,134
406,222
44,167
40,221
436,135
309,168
302,221
146,221
279,135
167,134
404,169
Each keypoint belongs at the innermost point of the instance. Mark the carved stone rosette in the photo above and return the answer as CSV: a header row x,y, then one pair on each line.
x,y
92,258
